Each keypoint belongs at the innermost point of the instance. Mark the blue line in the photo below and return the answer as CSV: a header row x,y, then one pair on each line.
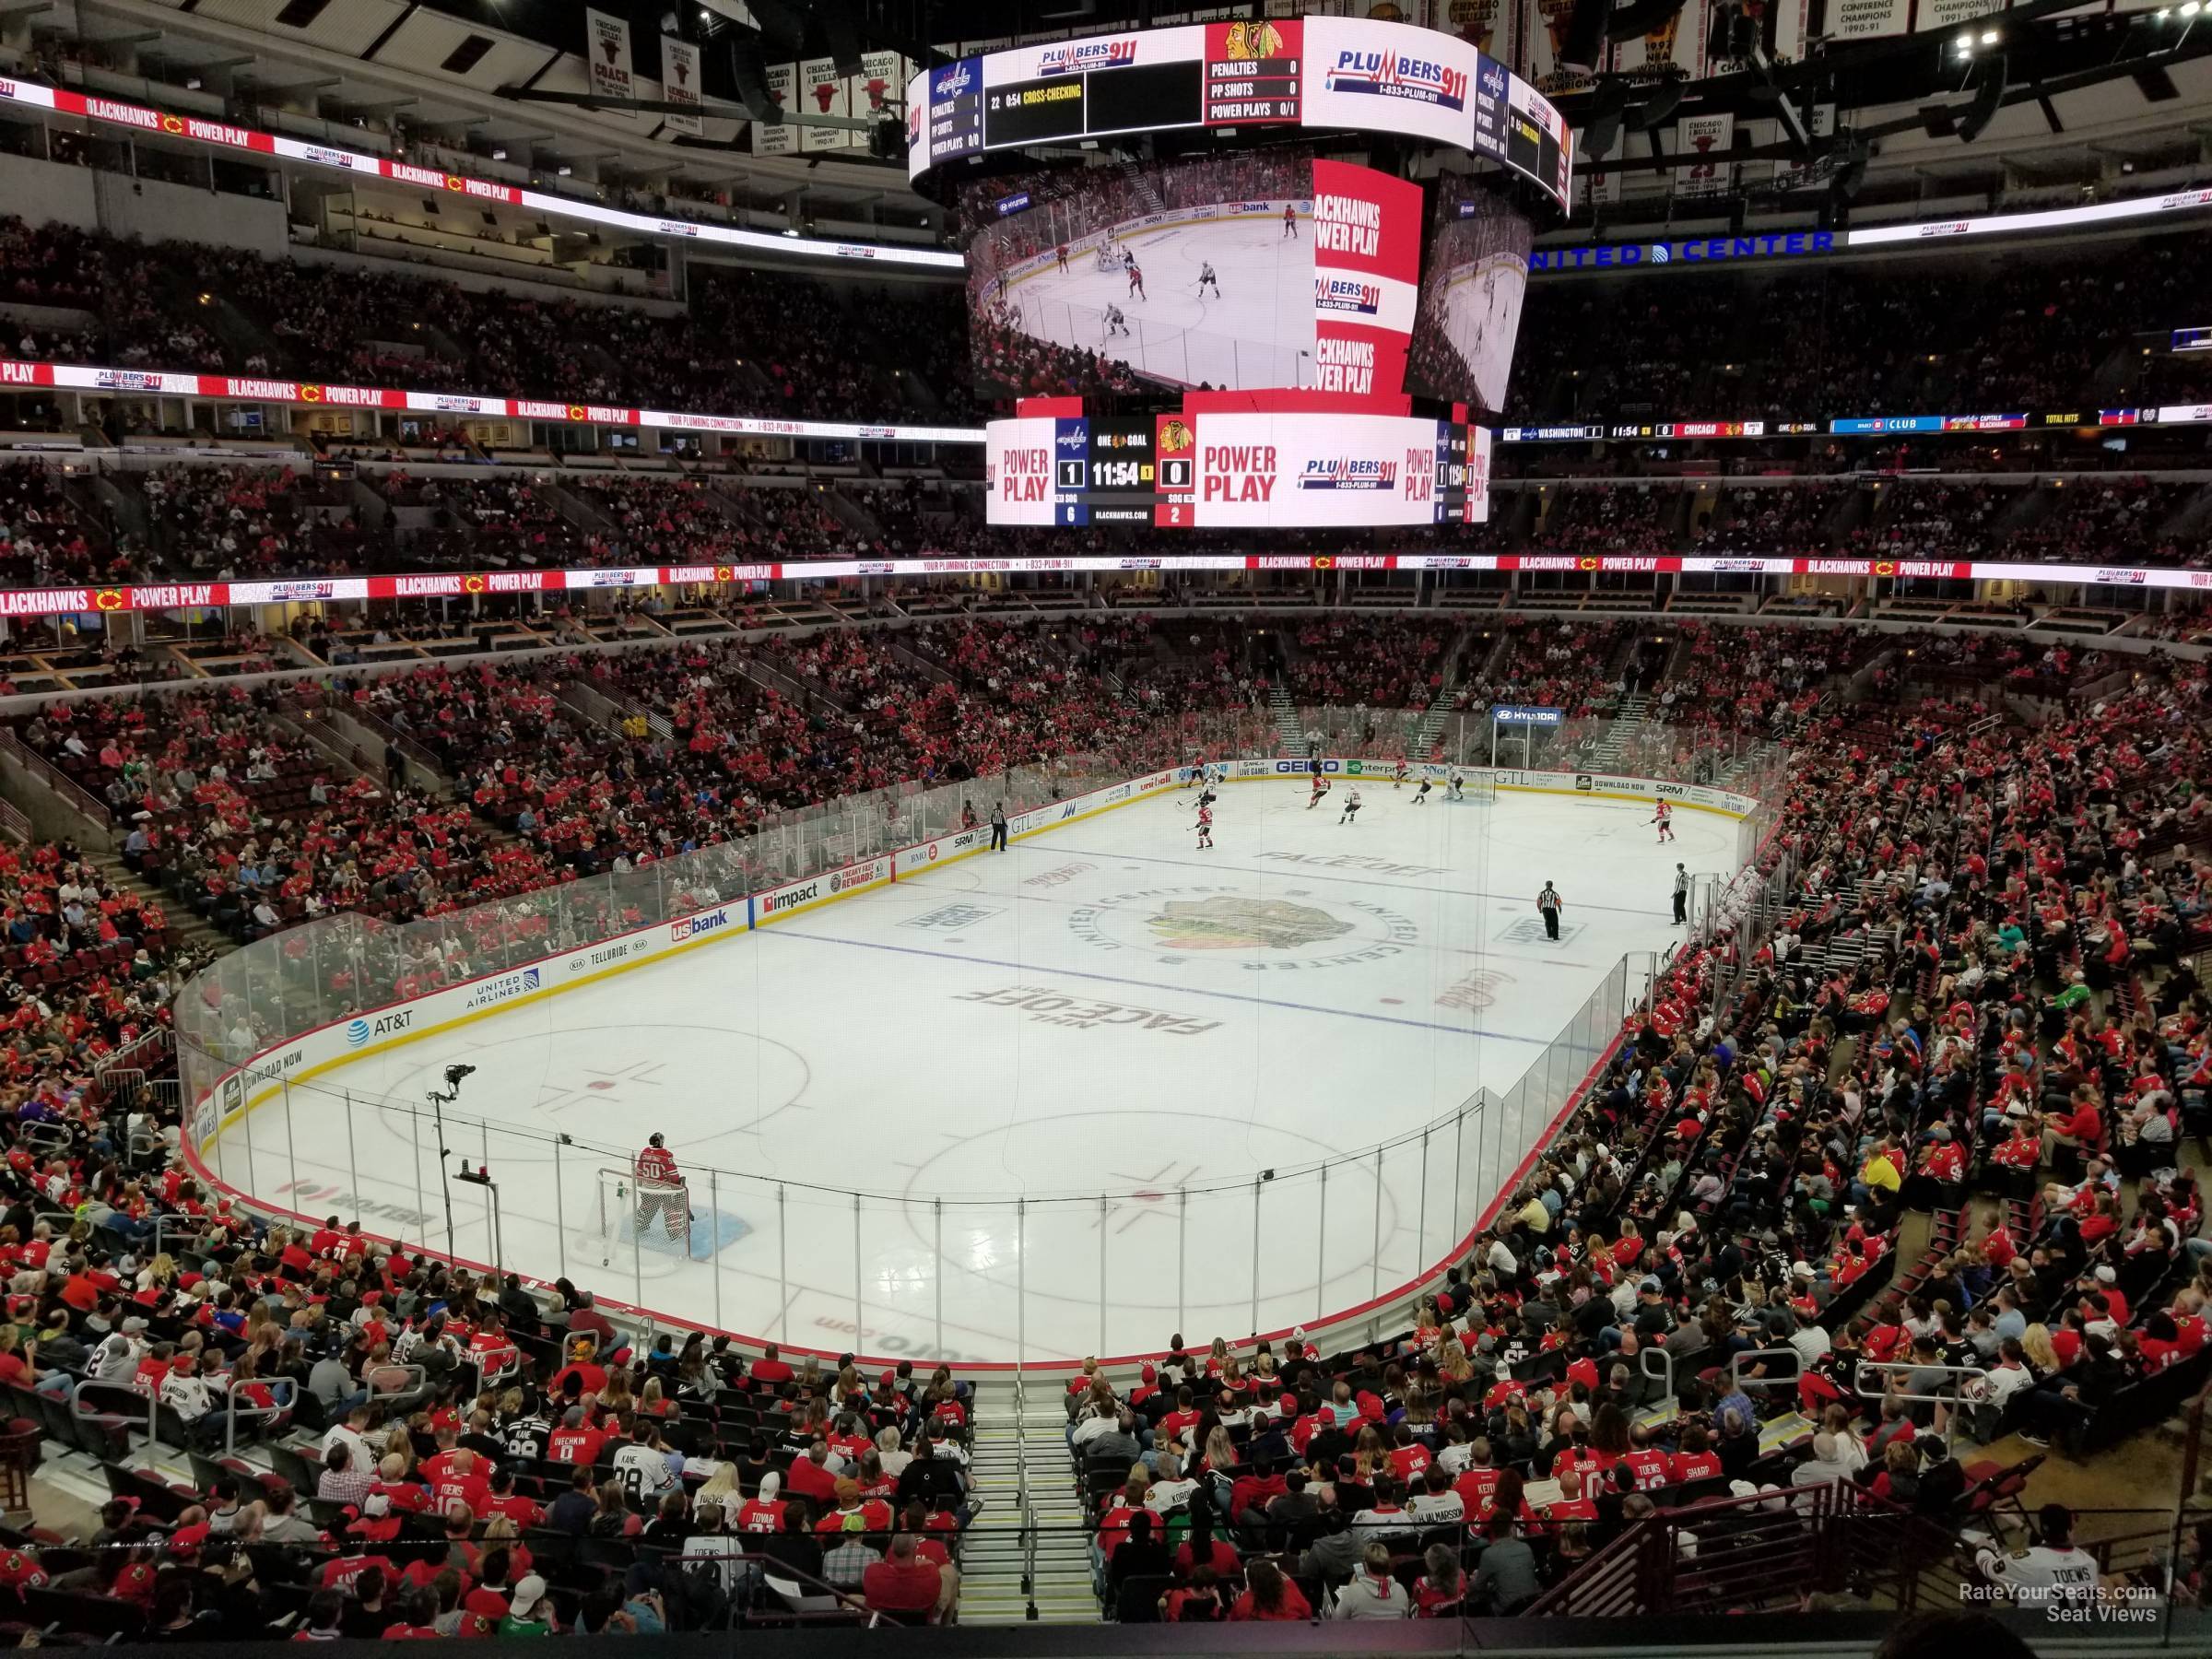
x,y
1311,873
1115,979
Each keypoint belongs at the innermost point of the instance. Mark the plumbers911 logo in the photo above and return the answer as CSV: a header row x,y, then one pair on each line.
x,y
1348,472
1389,75
1348,296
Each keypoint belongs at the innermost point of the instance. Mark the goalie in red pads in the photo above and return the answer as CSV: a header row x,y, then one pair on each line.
x,y
658,1188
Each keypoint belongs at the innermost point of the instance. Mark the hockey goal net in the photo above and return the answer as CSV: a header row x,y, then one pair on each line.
x,y
1481,786
1108,256
653,1215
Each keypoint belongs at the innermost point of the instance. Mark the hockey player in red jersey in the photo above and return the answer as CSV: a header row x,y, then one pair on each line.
x,y
661,1189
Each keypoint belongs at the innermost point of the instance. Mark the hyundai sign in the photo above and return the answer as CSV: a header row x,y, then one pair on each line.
x,y
1515,715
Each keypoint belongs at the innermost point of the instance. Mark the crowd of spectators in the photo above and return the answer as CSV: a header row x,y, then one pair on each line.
x,y
230,522
2024,331
246,822
121,288
1389,662
43,540
1791,521
1560,663
1736,1181
1979,976
1609,519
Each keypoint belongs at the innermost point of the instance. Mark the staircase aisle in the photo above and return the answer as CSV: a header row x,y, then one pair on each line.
x,y
1285,712
1021,1470
1625,725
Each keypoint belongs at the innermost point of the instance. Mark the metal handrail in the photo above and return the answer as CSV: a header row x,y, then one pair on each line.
x,y
1963,1372
1735,1368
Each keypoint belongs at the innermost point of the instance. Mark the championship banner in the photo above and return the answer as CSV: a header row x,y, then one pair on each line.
x,y
778,139
679,84
1868,20
607,47
823,91
1476,22
1947,15
881,86
1601,186
1677,44
1703,142
1367,273
1819,122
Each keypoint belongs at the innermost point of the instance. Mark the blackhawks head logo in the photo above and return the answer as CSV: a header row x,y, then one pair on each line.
x,y
1253,40
1174,437
1230,922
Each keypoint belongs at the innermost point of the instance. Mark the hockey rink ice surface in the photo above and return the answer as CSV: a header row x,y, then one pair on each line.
x,y
1258,333
1104,1010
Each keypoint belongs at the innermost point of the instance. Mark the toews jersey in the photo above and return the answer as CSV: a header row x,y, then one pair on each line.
x,y
657,1163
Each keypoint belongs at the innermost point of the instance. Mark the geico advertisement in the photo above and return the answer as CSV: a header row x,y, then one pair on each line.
x,y
1260,471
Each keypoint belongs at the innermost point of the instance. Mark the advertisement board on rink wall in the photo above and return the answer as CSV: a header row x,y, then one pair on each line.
x,y
795,896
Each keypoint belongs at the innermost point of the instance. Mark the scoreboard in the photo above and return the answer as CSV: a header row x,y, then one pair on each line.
x,y
1215,76
1242,469
1321,72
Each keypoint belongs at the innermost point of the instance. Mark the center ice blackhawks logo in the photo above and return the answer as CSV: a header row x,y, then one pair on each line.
x,y
1230,922
1261,934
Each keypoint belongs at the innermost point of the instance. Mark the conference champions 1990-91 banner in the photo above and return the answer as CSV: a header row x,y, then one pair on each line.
x,y
1366,274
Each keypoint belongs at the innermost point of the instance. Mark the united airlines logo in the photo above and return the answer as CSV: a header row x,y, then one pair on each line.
x,y
1347,295
1390,75
1087,54
1349,472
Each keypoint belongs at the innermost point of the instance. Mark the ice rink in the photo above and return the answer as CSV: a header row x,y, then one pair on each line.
x,y
1259,331
1054,1076
1482,319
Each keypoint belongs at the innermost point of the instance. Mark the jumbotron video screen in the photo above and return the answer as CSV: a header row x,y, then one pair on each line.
x,y
1474,279
1253,269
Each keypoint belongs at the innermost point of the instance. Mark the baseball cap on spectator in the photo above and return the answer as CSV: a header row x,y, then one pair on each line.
x,y
133,1325
529,1597
1650,1287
